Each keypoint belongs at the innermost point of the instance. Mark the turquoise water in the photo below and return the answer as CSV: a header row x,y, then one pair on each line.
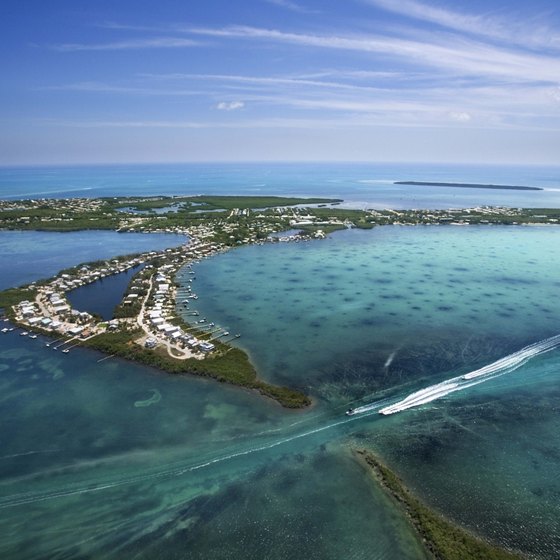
x,y
366,315
358,184
107,459
330,314
206,471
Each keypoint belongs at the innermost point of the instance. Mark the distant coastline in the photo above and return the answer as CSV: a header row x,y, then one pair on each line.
x,y
469,186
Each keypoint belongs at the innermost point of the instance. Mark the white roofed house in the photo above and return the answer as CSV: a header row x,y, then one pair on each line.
x,y
206,346
28,311
61,307
163,288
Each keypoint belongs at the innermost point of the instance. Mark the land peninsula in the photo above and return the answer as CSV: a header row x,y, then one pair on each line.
x,y
154,323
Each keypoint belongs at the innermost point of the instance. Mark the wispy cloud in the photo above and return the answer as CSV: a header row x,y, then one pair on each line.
x,y
118,26
269,81
357,121
293,6
101,87
133,44
457,56
490,25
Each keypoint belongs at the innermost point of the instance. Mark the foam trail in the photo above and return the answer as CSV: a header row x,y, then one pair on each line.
x,y
495,369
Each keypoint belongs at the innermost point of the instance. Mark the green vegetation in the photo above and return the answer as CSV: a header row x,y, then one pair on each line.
x,y
49,217
202,203
12,296
226,364
443,540
236,220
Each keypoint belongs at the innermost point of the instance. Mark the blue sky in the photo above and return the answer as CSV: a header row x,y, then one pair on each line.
x,y
279,80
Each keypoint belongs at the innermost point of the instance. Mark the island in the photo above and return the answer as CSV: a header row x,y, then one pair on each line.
x,y
468,185
154,324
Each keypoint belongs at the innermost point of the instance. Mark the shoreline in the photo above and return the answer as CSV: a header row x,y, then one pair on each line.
x,y
442,539
148,326
31,306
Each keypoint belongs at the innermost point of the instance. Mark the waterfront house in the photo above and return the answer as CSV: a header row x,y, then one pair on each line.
x,y
206,346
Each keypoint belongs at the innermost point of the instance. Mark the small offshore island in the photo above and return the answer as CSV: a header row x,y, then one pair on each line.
x,y
469,186
149,325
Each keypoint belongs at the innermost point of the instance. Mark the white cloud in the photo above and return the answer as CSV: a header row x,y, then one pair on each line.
x,y
460,116
230,106
100,87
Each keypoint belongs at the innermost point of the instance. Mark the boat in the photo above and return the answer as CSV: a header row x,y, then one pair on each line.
x,y
65,351
33,336
350,412
5,330
24,333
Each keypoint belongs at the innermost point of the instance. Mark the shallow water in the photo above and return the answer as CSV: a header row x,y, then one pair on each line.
x,y
364,315
200,469
205,470
425,299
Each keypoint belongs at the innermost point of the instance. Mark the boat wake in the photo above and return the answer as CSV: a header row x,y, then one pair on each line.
x,y
491,371
173,470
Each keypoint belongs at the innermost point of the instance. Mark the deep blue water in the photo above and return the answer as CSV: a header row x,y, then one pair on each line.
x,y
359,184
32,255
101,297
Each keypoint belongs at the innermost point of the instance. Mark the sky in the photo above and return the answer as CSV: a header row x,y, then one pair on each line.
x,y
279,80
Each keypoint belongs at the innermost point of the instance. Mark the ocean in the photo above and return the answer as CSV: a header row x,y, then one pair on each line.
x,y
109,459
360,185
